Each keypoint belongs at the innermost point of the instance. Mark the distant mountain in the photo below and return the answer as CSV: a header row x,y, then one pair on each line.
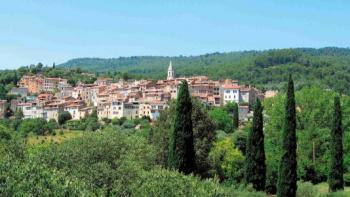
x,y
329,67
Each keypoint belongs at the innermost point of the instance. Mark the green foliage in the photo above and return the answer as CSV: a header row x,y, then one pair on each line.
x,y
63,117
347,179
38,126
287,171
335,179
101,160
35,179
222,119
306,189
255,167
240,140
89,123
92,123
232,109
314,115
203,132
128,124
227,161
327,67
118,121
278,57
160,182
181,155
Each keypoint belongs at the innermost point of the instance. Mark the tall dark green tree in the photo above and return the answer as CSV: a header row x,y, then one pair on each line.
x,y
181,155
255,171
335,179
235,116
287,172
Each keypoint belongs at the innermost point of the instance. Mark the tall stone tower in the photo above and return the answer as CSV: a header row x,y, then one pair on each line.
x,y
171,72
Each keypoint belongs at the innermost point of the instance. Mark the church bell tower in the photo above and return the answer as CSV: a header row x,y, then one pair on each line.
x,y
171,72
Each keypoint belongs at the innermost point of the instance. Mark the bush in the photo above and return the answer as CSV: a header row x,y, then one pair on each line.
x,y
76,124
118,121
220,134
347,179
128,124
222,119
36,125
4,134
106,120
35,179
63,117
240,140
306,189
227,160
160,182
100,159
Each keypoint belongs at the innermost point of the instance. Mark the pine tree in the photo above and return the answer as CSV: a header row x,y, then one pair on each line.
x,y
235,116
181,155
255,172
287,174
335,179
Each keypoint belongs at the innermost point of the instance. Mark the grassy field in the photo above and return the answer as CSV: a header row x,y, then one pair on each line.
x,y
323,190
67,134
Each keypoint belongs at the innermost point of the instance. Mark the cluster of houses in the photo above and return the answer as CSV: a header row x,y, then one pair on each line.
x,y
41,97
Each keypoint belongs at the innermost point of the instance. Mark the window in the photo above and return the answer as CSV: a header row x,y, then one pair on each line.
x,y
227,91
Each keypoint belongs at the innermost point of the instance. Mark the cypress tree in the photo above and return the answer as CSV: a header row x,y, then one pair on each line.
x,y
287,172
181,155
255,171
335,179
235,116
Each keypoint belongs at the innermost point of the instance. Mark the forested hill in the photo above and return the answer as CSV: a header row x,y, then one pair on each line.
x,y
328,67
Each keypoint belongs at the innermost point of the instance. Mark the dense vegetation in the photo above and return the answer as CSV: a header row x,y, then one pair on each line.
x,y
328,67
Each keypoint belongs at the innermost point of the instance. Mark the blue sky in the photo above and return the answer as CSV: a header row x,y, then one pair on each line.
x,y
50,31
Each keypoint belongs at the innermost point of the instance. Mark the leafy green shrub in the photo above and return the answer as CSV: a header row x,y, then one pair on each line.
x,y
63,117
106,120
161,182
38,126
4,134
227,160
35,179
100,159
128,124
306,189
337,194
347,179
118,121
220,134
222,119
240,140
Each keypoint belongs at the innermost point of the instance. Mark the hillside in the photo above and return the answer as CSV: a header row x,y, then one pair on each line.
x,y
263,68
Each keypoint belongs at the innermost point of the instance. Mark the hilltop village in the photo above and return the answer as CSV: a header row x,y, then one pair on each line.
x,y
42,97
